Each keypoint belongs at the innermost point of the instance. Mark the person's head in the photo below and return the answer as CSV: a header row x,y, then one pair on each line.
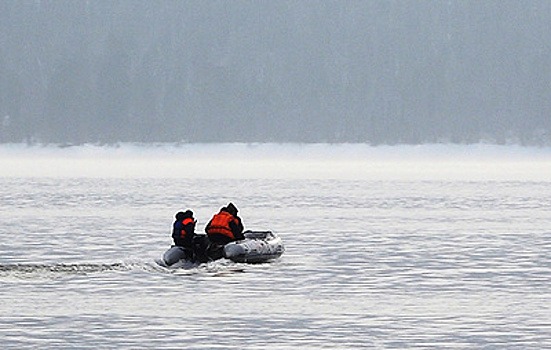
x,y
188,214
180,216
232,209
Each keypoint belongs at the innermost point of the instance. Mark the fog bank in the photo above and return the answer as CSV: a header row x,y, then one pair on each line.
x,y
279,161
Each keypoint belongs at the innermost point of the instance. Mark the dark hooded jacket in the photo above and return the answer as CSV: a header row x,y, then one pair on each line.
x,y
183,229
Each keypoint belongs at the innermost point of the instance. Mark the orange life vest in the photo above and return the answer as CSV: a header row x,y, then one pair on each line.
x,y
185,222
220,224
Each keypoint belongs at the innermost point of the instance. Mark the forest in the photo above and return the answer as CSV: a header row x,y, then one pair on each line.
x,y
375,72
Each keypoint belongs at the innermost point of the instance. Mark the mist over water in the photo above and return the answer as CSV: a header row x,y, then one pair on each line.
x,y
401,149
279,161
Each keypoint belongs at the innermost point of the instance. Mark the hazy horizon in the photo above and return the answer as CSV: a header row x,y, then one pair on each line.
x,y
481,162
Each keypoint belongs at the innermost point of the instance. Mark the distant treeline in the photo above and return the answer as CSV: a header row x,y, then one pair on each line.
x,y
380,72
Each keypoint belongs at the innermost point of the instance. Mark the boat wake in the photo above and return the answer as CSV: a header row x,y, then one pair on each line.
x,y
32,270
62,270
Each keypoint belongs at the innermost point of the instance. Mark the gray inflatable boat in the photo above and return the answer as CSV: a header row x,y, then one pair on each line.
x,y
257,247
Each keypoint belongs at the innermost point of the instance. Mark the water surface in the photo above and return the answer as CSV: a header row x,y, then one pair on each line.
x,y
386,263
386,247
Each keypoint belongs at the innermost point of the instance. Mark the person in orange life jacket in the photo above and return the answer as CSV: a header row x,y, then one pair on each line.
x,y
183,229
225,226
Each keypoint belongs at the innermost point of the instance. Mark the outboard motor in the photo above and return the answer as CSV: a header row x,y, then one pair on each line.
x,y
200,246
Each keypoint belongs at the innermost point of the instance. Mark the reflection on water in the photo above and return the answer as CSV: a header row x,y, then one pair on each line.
x,y
368,264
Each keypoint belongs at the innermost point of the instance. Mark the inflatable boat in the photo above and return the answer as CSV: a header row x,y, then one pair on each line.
x,y
257,247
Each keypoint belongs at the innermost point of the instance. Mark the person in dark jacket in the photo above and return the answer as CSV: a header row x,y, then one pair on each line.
x,y
225,226
183,230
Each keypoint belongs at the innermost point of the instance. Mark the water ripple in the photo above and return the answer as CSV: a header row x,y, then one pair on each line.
x,y
368,264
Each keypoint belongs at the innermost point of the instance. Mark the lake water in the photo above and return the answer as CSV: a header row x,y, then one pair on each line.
x,y
380,261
